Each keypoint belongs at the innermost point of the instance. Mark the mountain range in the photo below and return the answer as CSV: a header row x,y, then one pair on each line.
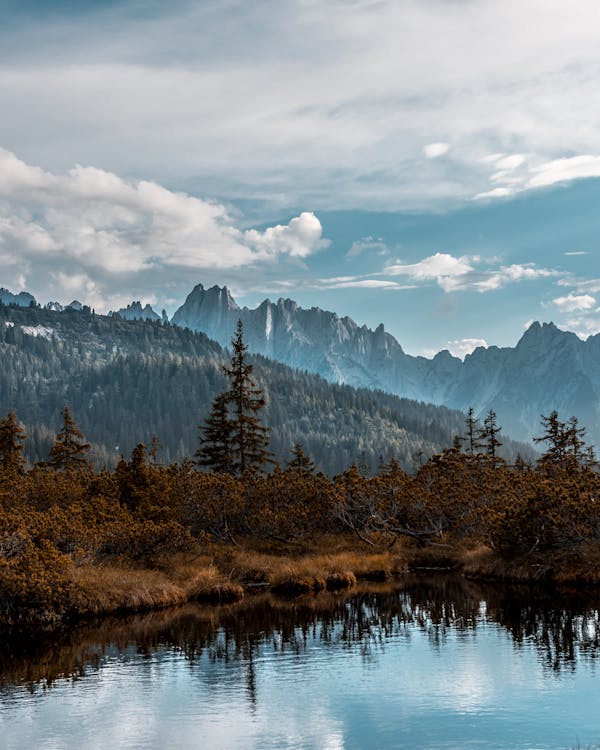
x,y
126,380
548,368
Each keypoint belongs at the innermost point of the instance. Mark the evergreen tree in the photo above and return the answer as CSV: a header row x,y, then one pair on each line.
x,y
565,440
234,440
575,443
472,436
155,448
589,458
300,461
12,437
487,434
555,437
215,443
69,449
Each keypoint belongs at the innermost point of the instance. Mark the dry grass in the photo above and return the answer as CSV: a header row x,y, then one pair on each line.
x,y
293,575
105,589
221,574
211,586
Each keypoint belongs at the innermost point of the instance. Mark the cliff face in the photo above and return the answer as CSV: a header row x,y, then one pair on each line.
x,y
548,369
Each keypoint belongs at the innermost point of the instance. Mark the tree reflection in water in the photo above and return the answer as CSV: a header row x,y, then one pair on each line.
x,y
562,625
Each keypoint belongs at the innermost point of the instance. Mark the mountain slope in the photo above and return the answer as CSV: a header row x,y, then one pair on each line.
x,y
548,369
126,380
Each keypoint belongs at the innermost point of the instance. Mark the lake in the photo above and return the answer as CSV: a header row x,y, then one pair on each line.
x,y
429,662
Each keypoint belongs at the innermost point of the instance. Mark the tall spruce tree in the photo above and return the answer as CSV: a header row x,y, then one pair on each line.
x,y
69,449
215,442
487,434
472,437
12,437
554,436
234,439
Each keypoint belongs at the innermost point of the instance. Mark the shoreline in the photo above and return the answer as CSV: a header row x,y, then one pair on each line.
x,y
226,574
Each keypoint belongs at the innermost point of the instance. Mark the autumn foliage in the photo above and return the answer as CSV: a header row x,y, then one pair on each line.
x,y
62,517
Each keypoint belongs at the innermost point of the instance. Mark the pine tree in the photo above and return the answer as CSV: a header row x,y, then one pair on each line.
x,y
471,439
249,438
575,443
215,443
487,434
12,437
555,437
300,462
69,449
565,440
234,440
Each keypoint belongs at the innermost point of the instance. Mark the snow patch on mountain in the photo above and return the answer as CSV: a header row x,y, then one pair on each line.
x,y
43,332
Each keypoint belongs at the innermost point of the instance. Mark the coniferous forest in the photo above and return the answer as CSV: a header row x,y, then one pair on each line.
x,y
78,539
126,381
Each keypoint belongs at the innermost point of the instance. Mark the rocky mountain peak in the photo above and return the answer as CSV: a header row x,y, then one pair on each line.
x,y
135,311
546,335
22,299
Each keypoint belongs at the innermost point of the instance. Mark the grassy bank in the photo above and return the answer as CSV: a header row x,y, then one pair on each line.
x,y
77,543
220,574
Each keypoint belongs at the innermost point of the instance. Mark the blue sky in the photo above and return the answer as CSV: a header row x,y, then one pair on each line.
x,y
430,164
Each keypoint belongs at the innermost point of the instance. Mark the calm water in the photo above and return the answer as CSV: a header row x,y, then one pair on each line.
x,y
436,664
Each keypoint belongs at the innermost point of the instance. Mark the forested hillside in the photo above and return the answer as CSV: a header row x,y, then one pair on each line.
x,y
128,380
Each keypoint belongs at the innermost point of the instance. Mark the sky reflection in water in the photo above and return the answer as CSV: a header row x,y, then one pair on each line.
x,y
438,664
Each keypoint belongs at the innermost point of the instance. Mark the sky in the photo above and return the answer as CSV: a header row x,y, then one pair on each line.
x,y
433,165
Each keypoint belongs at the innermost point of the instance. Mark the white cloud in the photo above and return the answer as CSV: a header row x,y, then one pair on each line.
x,y
461,347
563,170
574,302
510,162
443,268
365,245
577,252
317,108
501,192
583,325
91,233
465,272
434,150
583,286
517,175
354,283
300,238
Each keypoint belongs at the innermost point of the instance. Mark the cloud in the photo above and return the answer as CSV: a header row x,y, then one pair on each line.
x,y
461,347
564,170
518,175
92,233
577,252
501,192
434,150
366,245
465,272
352,282
443,268
315,108
583,286
583,325
574,302
300,238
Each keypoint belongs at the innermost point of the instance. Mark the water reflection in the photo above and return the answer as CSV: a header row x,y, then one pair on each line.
x,y
563,627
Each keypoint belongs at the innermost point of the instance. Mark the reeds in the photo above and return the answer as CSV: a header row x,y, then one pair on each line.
x,y
104,589
211,586
292,576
